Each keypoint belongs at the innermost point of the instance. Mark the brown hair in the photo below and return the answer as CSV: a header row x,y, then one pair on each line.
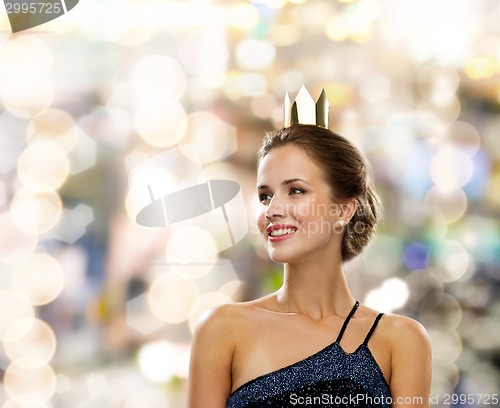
x,y
346,171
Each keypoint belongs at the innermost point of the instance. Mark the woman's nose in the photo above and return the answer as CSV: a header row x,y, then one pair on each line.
x,y
275,208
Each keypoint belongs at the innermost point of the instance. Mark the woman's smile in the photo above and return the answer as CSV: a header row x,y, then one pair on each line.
x,y
280,232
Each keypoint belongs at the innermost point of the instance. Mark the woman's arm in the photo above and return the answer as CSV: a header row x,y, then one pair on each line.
x,y
411,364
209,382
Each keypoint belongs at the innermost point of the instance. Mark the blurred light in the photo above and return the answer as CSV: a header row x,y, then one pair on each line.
x,y
183,352
195,270
185,238
172,296
158,76
29,98
480,235
11,145
195,15
478,184
312,16
421,285
214,138
255,54
481,67
100,393
415,256
385,252
35,212
262,107
14,307
375,88
462,135
449,260
204,303
446,344
38,277
440,310
38,383
251,85
232,289
147,397
482,378
127,30
450,203
157,361
55,126
425,224
285,34
63,383
109,125
290,81
275,4
450,33
339,94
73,224
3,194
161,122
392,295
30,338
451,168
491,139
336,29
15,244
445,112
140,317
243,16
354,23
25,59
437,83
445,377
83,156
204,54
43,166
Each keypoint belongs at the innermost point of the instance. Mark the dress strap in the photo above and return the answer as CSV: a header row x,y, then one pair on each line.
x,y
372,329
346,321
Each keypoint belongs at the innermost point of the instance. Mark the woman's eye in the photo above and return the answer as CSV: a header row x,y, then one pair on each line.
x,y
295,190
264,197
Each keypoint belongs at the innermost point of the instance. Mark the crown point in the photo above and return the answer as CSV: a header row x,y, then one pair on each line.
x,y
307,111
287,113
303,110
322,110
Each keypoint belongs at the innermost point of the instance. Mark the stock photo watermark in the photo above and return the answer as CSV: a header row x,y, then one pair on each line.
x,y
26,14
326,399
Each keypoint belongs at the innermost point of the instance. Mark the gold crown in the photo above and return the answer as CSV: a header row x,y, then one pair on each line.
x,y
304,111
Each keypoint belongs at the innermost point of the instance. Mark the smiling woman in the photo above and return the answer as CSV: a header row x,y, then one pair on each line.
x,y
310,342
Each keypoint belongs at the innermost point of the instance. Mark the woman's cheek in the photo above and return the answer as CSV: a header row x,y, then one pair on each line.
x,y
261,221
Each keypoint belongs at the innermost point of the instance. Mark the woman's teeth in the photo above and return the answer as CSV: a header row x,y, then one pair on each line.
x,y
279,232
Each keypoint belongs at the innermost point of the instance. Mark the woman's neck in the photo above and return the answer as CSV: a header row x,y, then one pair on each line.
x,y
316,290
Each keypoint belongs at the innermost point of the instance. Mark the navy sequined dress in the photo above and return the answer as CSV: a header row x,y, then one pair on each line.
x,y
329,378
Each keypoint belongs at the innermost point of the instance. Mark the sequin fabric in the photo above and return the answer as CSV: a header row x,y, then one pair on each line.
x,y
329,378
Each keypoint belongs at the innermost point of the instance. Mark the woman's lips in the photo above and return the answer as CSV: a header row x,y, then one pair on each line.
x,y
276,233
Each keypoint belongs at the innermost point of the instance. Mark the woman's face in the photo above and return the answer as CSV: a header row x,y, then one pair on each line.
x,y
297,218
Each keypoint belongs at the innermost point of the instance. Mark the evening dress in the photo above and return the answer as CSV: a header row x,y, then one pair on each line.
x,y
330,377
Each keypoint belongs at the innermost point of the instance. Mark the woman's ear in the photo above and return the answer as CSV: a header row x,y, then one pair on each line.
x,y
348,208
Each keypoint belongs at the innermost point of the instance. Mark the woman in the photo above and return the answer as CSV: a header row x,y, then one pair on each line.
x,y
310,343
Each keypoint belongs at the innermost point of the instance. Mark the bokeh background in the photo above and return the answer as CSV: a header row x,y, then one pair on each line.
x,y
94,310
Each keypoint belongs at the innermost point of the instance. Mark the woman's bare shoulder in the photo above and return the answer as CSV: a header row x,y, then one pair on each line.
x,y
405,333
227,320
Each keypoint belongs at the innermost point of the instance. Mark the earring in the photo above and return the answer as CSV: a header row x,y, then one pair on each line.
x,y
342,222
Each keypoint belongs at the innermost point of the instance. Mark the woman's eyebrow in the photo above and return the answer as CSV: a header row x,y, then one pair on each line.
x,y
284,183
293,180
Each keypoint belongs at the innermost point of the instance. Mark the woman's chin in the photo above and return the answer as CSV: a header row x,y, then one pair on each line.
x,y
280,257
